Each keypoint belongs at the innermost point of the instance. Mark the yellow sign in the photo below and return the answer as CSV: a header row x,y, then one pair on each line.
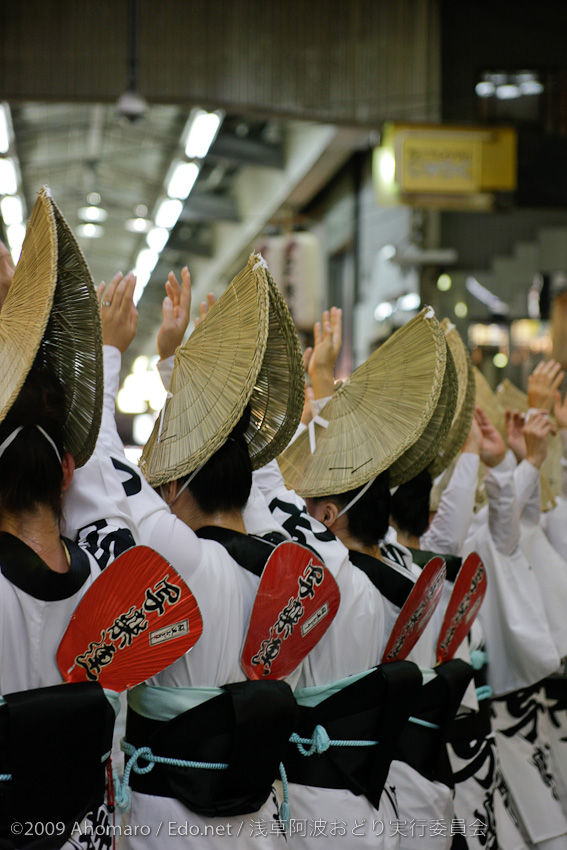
x,y
445,166
438,164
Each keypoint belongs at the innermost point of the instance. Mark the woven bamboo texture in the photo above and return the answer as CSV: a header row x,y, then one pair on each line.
x,y
421,454
375,416
464,409
214,374
72,344
277,399
26,310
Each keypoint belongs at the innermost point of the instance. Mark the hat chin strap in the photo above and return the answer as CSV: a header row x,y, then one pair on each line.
x,y
183,486
358,496
11,437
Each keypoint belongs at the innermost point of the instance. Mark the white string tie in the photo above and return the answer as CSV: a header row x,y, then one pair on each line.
x,y
168,396
358,496
261,263
317,420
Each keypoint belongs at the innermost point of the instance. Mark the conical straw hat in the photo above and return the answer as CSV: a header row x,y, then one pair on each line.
x,y
421,453
375,416
464,409
51,311
246,350
279,392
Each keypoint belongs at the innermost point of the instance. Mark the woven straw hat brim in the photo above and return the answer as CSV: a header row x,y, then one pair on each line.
x,y
71,346
464,409
424,450
214,374
278,396
51,313
375,416
26,310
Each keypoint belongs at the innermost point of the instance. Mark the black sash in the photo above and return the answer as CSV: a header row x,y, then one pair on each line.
x,y
52,741
247,727
422,747
452,562
374,708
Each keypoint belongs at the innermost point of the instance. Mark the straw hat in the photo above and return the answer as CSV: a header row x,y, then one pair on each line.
x,y
279,392
464,409
378,415
51,311
246,350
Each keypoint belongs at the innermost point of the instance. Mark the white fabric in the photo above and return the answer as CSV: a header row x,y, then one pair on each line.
x,y
554,521
30,633
528,491
550,570
353,643
449,527
524,756
224,591
502,514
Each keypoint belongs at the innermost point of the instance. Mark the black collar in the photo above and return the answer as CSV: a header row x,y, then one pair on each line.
x,y
26,570
392,584
249,551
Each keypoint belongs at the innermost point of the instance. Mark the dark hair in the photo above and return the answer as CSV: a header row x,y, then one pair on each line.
x,y
368,519
225,481
410,505
30,473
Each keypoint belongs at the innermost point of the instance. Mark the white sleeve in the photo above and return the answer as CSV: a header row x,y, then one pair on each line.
x,y
137,505
95,512
503,508
449,527
165,369
528,492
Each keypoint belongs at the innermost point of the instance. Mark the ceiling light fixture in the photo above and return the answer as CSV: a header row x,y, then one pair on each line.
x,y
4,129
200,132
8,177
12,210
182,180
167,213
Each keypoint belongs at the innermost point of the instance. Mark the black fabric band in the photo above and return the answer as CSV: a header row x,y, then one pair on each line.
x,y
392,584
373,708
424,748
249,551
27,571
452,562
248,727
52,742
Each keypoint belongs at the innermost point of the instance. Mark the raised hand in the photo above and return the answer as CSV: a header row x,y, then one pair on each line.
x,y
493,449
543,385
118,313
473,443
204,308
176,309
537,429
327,340
515,433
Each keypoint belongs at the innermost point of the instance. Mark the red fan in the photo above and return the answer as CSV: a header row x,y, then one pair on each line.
x,y
417,611
296,602
464,605
137,618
